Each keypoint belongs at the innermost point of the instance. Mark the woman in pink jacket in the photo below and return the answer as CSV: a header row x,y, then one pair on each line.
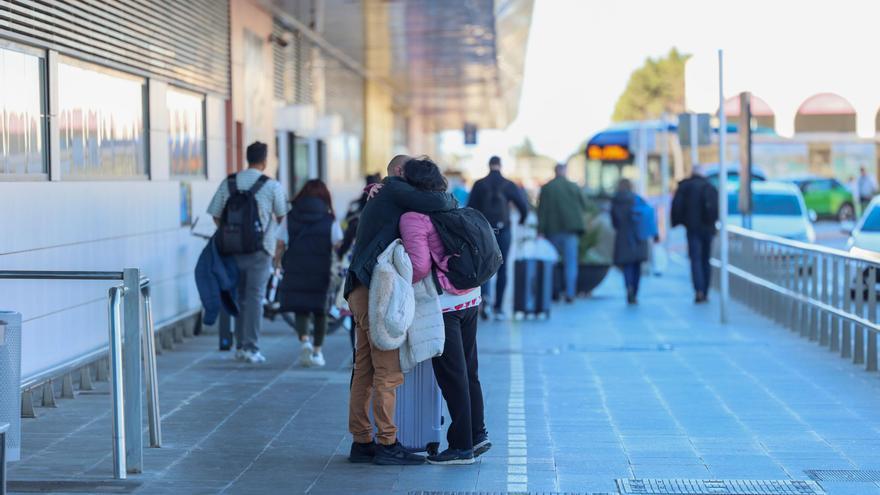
x,y
456,369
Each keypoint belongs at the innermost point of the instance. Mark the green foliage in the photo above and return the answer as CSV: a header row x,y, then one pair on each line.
x,y
653,89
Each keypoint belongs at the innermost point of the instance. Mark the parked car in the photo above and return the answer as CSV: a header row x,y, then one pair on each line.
x,y
778,208
712,171
865,237
827,197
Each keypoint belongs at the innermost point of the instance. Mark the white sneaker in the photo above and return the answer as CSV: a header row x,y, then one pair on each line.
x,y
254,357
305,354
239,354
318,359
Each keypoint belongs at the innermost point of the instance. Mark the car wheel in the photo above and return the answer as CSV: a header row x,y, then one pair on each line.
x,y
846,213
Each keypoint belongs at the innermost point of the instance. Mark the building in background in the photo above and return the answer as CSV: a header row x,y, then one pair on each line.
x,y
117,123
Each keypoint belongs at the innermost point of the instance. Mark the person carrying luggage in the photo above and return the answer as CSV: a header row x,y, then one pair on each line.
x,y
456,369
632,218
561,209
695,205
492,196
377,373
247,208
311,235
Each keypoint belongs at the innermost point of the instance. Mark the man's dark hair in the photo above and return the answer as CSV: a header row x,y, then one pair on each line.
x,y
495,161
257,153
422,173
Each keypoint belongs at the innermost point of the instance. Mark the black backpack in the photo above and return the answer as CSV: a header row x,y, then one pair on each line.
x,y
496,210
470,241
241,231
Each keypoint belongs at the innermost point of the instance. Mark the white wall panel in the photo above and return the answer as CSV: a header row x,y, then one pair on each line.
x,y
92,226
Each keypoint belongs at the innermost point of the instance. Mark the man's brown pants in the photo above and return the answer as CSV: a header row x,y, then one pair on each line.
x,y
376,376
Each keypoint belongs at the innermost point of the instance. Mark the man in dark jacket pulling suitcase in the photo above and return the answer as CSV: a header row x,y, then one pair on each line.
x,y
492,196
695,206
377,373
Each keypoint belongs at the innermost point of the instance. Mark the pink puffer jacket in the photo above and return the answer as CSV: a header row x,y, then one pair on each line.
x,y
423,244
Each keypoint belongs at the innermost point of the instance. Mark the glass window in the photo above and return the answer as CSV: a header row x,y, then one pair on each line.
x,y
186,132
101,122
819,186
22,113
767,204
872,221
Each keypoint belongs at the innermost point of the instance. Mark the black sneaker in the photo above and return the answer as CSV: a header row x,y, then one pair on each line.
x,y
396,455
482,444
362,452
452,457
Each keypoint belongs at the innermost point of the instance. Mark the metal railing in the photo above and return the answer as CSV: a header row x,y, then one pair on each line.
x,y
826,295
131,342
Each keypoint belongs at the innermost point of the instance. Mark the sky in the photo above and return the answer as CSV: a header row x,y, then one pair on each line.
x,y
582,52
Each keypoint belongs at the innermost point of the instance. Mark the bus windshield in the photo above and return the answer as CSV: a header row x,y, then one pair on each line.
x,y
768,204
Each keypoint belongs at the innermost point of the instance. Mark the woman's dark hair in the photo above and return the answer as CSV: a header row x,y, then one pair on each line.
x,y
317,189
424,174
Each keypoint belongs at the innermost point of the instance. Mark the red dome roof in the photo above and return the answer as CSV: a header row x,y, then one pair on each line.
x,y
826,104
760,108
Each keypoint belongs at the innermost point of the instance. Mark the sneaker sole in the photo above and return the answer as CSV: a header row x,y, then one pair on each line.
x,y
396,462
453,462
361,460
482,448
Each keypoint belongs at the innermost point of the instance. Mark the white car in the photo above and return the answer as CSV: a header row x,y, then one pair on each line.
x,y
865,237
778,209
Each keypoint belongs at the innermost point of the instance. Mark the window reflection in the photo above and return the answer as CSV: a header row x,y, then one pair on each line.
x,y
186,134
22,113
101,122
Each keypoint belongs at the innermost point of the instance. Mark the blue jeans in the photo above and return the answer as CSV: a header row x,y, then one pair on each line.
x,y
503,238
567,245
699,251
632,273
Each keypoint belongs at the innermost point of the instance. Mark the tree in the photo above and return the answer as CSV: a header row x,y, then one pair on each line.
x,y
655,88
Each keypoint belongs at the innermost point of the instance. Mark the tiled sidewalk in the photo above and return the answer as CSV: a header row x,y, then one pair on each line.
x,y
598,392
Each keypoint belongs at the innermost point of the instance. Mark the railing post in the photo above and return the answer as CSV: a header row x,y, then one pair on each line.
x,y
859,332
835,301
132,354
814,294
823,321
871,364
151,377
117,386
846,334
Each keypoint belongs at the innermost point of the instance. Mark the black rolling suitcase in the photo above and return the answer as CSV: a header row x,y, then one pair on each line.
x,y
533,288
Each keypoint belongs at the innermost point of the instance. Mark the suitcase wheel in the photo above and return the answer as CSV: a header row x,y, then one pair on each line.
x,y
433,448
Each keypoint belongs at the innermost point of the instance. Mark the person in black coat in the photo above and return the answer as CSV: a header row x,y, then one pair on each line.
x,y
695,206
629,251
312,233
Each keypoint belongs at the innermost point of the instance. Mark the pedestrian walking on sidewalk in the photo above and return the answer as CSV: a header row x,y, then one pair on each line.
x,y
247,208
630,240
311,235
377,373
561,209
492,196
457,368
867,187
695,206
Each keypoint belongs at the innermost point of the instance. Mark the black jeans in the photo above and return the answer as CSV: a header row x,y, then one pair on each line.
x,y
699,250
632,273
456,372
503,237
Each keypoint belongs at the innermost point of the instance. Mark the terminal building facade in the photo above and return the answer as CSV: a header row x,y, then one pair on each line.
x,y
119,119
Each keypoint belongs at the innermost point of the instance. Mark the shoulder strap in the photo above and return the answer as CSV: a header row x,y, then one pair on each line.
x,y
231,184
259,184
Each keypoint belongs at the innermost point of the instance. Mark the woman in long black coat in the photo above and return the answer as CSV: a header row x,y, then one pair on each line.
x,y
629,250
312,233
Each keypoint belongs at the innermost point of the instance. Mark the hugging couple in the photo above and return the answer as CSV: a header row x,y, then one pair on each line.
x,y
399,209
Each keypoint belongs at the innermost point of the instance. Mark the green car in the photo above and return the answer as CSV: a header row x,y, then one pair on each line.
x,y
827,197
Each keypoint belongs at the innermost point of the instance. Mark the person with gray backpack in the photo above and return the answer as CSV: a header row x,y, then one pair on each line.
x,y
247,208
